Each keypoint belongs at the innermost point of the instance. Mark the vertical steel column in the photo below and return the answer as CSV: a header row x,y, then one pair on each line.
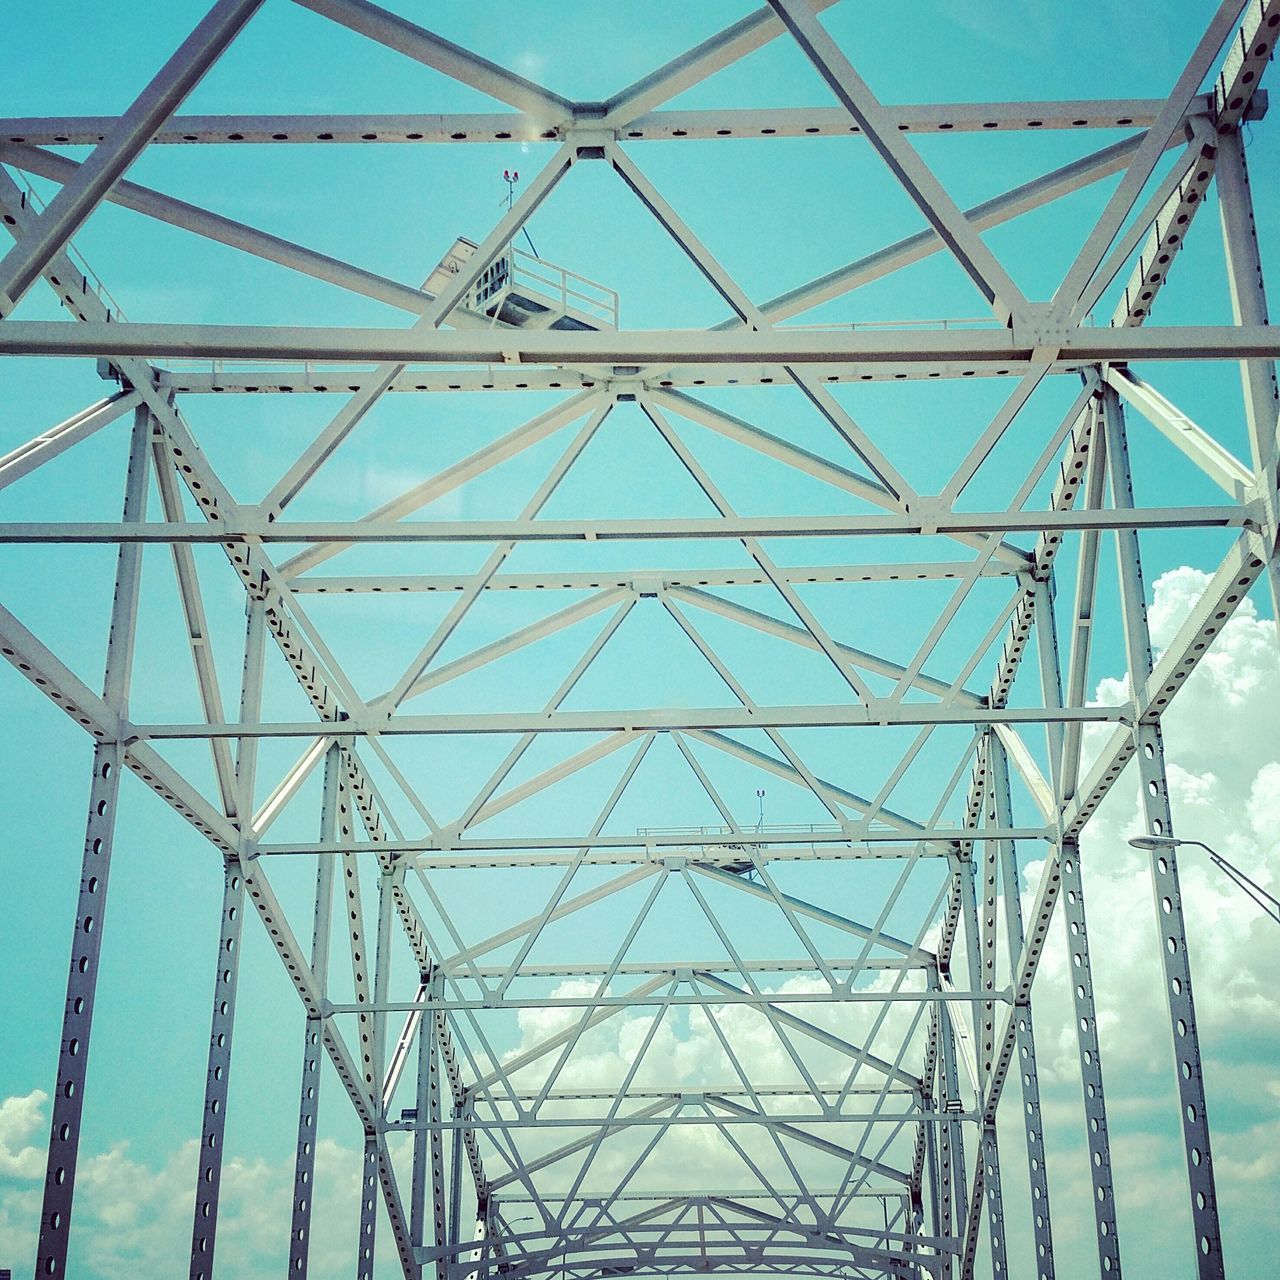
x,y
428,1147
1249,306
931,1168
966,873
989,1155
943,1194
1158,818
387,885
1097,1133
1032,1119
309,1104
368,1208
435,1134
209,1178
1064,741
226,980
422,1103
455,1181
980,953
951,1102
86,944
378,1050
1095,1107
255,639
990,873
915,1199
1248,293
367,1024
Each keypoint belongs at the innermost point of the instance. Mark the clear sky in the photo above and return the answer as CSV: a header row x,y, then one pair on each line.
x,y
775,214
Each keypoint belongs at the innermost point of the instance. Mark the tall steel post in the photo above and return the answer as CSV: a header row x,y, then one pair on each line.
x,y
368,1208
218,1077
1032,1116
980,954
436,1133
1158,819
422,1104
944,1193
1249,306
86,944
986,947
932,1169
1097,1133
951,1103
227,973
428,1149
455,1182
309,1102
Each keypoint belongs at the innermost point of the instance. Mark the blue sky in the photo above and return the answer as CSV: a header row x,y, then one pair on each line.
x,y
776,214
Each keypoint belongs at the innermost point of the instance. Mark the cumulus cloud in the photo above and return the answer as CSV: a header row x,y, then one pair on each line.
x,y
20,1121
133,1216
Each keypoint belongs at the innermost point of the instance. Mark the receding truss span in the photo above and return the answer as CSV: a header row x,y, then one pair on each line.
x,y
860,966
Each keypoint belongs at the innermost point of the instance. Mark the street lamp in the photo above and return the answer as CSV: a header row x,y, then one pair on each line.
x,y
1265,900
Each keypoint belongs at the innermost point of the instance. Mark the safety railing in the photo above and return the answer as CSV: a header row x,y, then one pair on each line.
x,y
516,271
89,279
943,322
789,828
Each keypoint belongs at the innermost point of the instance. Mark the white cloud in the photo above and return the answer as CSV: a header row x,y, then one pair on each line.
x,y
133,1218
21,1119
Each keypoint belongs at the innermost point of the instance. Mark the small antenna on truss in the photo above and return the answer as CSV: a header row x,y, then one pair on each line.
x,y
760,816
511,177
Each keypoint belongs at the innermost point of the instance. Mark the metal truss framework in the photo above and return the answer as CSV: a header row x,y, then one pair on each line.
x,y
860,1072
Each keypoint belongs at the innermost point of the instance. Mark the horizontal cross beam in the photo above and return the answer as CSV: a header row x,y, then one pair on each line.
x,y
512,126
677,998
247,528
644,580
1022,343
880,713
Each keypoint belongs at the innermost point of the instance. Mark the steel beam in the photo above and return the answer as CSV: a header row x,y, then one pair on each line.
x,y
389,29
999,348
640,580
1170,924
67,211
855,95
757,123
86,945
218,1078
509,1101
638,720
1080,969
1032,1114
247,528
309,1101
1249,306
49,444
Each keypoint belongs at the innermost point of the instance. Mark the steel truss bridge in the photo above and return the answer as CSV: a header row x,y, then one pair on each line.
x,y
861,1061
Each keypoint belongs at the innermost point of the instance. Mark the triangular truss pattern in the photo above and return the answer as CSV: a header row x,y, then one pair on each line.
x,y
630,1026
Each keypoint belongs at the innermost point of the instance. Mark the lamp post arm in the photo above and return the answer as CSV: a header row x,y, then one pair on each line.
x,y
1267,901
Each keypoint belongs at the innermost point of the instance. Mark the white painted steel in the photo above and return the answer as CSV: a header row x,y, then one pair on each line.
x,y
898,1102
